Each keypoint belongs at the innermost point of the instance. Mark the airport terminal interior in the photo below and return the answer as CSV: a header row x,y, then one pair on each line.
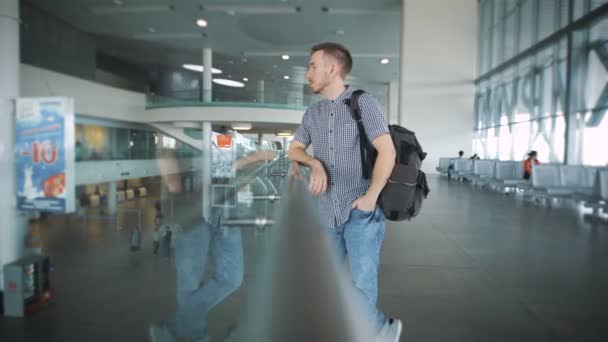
x,y
149,192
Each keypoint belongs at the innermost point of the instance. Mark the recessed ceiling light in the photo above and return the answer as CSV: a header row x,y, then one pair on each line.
x,y
285,57
286,77
200,68
118,2
151,29
201,23
340,32
245,79
241,126
228,83
284,134
384,61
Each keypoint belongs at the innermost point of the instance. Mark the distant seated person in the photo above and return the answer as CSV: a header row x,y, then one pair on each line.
x,y
528,164
475,157
451,167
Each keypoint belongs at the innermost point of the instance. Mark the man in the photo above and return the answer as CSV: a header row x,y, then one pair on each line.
x,y
347,200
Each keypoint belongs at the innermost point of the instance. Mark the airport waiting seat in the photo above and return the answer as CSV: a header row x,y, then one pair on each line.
x,y
463,168
579,178
547,179
444,165
564,180
551,181
598,198
509,175
603,182
143,192
130,194
592,182
484,171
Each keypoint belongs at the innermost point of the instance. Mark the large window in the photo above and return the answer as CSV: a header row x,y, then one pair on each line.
x,y
523,81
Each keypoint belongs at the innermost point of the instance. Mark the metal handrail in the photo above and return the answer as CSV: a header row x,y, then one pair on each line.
x,y
301,293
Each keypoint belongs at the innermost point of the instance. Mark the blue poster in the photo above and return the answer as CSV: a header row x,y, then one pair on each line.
x,y
44,147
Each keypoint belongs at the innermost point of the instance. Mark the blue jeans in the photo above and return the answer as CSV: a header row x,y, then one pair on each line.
x,y
359,239
195,297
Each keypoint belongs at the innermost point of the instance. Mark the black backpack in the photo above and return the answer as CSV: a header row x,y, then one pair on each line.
x,y
406,188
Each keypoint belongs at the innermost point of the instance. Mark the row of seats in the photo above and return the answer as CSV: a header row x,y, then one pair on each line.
x,y
560,180
498,174
121,195
549,181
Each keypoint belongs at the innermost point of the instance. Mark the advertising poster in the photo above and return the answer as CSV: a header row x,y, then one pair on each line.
x,y
44,147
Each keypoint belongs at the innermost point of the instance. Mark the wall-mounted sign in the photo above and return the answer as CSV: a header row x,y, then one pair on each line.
x,y
44,147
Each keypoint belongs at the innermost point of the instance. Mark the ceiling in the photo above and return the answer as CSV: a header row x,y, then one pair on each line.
x,y
248,37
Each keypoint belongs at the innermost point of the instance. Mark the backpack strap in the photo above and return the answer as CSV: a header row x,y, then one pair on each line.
x,y
365,146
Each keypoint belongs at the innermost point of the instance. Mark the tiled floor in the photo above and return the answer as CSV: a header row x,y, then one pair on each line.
x,y
474,266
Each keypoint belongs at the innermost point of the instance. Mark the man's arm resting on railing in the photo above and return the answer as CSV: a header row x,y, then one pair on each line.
x,y
318,178
255,158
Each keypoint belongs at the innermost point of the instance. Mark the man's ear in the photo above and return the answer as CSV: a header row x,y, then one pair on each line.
x,y
335,70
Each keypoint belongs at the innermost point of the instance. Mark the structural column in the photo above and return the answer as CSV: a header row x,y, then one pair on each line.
x,y
206,179
402,72
260,91
12,223
112,198
393,102
207,72
295,96
436,95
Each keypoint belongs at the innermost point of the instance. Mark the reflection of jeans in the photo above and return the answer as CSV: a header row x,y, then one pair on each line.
x,y
195,297
359,239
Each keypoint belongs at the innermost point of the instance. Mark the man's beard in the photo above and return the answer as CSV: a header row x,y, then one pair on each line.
x,y
316,91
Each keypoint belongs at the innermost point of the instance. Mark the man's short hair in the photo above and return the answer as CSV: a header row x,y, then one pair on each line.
x,y
339,52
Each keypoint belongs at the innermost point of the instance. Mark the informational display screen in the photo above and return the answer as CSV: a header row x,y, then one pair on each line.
x,y
44,147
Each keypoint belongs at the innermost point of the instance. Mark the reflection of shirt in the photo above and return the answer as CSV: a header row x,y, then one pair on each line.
x,y
223,174
330,128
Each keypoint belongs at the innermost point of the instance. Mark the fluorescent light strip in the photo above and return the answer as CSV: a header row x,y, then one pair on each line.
x,y
241,126
200,68
228,83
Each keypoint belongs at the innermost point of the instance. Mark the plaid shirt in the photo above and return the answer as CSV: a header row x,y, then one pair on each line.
x,y
330,128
